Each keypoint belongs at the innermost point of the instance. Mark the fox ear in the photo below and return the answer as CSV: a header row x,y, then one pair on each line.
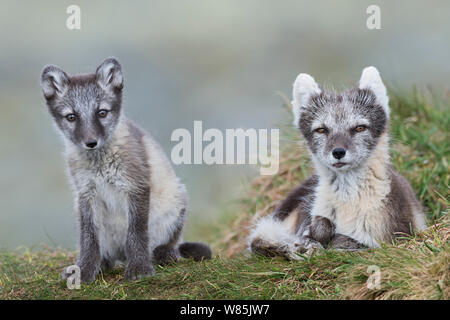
x,y
109,75
304,88
54,81
371,80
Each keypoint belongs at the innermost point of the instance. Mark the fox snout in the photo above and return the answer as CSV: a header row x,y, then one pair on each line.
x,y
338,153
338,150
91,141
89,136
338,144
91,144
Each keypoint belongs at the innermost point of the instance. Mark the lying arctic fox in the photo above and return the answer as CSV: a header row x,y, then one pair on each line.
x,y
355,199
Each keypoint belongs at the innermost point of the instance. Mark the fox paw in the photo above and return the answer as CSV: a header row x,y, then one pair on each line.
x,y
165,255
307,245
138,271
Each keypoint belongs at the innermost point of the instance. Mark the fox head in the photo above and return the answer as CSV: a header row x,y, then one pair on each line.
x,y
341,130
86,108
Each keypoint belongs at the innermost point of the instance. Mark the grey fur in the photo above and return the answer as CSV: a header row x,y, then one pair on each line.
x,y
130,203
322,230
89,257
341,242
195,250
265,248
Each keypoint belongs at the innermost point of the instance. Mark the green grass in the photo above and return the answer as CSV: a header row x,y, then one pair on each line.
x,y
413,268
417,268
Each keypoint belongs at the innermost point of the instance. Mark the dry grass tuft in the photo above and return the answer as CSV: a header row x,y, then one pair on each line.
x,y
415,269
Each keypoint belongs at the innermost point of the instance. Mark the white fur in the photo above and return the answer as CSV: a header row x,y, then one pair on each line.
x,y
167,198
304,87
370,79
276,233
110,218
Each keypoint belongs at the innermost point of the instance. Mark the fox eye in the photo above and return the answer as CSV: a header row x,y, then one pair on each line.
x,y
321,130
360,128
71,117
102,113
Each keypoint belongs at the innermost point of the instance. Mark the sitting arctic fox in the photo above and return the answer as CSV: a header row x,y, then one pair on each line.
x,y
355,199
131,205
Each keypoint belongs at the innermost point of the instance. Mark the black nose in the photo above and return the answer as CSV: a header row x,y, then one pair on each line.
x,y
91,144
339,153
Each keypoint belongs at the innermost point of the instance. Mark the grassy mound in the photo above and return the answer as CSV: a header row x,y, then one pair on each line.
x,y
416,267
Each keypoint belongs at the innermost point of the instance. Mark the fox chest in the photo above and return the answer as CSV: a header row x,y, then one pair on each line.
x,y
359,221
110,216
110,207
363,219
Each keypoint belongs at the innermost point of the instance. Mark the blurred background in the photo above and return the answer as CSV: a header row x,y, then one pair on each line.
x,y
222,62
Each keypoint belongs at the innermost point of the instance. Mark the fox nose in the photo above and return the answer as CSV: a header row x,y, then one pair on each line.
x,y
338,153
91,144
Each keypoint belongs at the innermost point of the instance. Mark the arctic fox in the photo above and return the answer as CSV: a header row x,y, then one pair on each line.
x,y
130,203
355,199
